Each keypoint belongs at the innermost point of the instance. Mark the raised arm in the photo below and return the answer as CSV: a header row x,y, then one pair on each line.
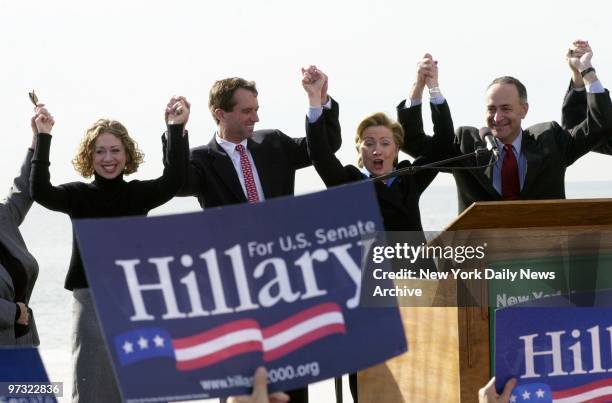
x,y
18,201
416,142
158,191
323,106
574,108
318,124
334,133
441,144
595,131
43,192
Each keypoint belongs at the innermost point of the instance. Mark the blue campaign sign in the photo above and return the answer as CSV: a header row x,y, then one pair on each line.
x,y
21,365
23,377
191,304
557,354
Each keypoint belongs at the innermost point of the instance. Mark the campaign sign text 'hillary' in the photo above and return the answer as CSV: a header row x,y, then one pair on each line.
x,y
557,354
191,304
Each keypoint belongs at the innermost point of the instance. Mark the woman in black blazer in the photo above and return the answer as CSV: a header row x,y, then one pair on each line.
x,y
378,142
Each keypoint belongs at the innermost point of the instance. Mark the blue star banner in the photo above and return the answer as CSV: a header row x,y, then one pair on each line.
x,y
192,304
557,353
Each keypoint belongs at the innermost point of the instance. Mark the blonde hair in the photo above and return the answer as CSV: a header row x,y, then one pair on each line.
x,y
83,161
379,119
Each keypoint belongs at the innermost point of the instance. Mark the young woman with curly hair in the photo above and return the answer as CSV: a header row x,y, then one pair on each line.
x,y
108,153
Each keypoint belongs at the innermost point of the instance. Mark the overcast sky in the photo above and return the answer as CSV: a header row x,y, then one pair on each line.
x,y
124,59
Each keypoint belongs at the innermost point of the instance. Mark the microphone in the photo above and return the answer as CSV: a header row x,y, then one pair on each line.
x,y
486,135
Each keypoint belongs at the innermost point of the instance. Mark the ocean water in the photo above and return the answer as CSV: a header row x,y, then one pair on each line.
x,y
48,235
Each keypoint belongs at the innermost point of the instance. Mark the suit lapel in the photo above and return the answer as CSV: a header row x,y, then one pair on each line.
x,y
488,171
534,161
223,166
485,176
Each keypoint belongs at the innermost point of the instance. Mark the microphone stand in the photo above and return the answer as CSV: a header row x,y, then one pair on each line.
x,y
416,168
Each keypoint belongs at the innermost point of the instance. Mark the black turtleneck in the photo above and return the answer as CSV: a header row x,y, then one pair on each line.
x,y
106,197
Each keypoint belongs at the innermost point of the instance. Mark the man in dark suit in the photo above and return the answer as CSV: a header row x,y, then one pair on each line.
x,y
241,164
532,161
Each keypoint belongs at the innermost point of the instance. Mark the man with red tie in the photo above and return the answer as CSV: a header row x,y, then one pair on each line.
x,y
241,164
532,161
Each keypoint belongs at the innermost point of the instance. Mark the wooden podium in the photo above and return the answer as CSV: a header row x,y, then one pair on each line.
x,y
448,347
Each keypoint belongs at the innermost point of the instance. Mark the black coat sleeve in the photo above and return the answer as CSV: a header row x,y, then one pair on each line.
x,y
299,149
325,162
593,133
55,198
440,145
574,113
156,192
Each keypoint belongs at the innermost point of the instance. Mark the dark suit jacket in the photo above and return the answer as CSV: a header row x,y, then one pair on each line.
x,y
548,148
214,181
574,108
574,111
12,213
399,203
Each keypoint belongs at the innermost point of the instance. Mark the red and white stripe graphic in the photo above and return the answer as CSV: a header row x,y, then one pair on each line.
x,y
246,336
302,328
218,344
595,392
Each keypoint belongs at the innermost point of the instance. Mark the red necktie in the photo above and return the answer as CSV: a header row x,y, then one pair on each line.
x,y
511,186
249,182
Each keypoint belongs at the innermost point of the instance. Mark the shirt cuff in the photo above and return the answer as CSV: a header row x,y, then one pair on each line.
x,y
314,113
438,100
595,87
412,102
328,104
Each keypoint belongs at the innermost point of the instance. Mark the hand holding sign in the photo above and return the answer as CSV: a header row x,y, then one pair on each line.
x,y
260,391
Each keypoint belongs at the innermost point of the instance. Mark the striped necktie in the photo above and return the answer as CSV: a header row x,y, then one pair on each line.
x,y
247,172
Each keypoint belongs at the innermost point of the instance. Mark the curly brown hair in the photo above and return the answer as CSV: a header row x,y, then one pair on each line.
x,y
83,161
379,119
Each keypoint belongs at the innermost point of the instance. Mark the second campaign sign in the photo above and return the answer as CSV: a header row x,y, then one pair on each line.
x,y
191,304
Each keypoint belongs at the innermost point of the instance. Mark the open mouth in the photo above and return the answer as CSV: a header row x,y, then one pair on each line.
x,y
109,168
377,163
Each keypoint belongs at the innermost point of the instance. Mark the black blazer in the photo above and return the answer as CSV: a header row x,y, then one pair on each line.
x,y
574,108
548,148
214,181
13,210
399,203
574,111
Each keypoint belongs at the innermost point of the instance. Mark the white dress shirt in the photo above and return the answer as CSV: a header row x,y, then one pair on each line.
x,y
230,149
